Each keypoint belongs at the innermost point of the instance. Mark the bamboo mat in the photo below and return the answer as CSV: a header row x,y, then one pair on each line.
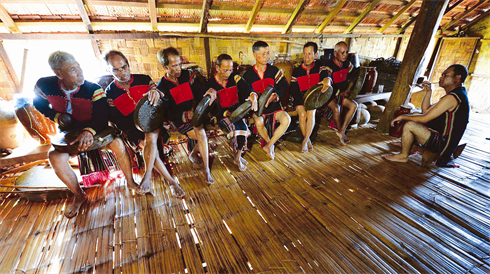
x,y
333,210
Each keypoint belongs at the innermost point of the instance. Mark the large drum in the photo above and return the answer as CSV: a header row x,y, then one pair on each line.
x,y
283,63
39,127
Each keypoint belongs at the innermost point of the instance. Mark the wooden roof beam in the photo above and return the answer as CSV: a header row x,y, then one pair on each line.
x,y
7,20
10,68
152,6
253,15
84,15
413,19
458,18
394,18
299,9
203,25
330,16
362,16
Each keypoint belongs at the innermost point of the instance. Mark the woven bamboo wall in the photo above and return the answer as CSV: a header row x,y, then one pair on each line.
x,y
7,87
479,79
374,47
452,51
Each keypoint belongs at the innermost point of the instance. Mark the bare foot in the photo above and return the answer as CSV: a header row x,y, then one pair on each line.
x,y
195,158
176,190
396,158
310,146
144,188
396,144
209,179
342,138
244,161
132,185
304,146
72,210
240,164
269,150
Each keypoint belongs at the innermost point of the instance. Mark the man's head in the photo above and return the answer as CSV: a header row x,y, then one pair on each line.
x,y
454,76
170,59
224,66
341,50
310,53
66,68
261,53
118,65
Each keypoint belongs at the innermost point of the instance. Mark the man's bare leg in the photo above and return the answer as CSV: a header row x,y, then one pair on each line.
x,y
310,122
199,134
59,162
117,146
411,131
284,121
351,107
175,188
336,115
260,126
302,125
150,151
239,161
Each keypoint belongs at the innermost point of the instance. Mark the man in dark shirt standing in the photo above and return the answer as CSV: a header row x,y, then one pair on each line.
x,y
440,126
260,76
123,95
182,90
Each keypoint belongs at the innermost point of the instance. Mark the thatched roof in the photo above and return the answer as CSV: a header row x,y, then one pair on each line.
x,y
239,16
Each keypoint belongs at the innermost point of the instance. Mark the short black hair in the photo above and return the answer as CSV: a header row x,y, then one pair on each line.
x,y
163,55
459,70
311,44
222,57
259,44
110,54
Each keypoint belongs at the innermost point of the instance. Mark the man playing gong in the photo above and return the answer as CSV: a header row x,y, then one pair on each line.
x,y
182,90
232,90
85,103
122,95
305,76
260,76
340,70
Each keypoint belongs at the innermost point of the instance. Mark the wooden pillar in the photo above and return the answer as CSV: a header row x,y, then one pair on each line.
x,y
428,20
207,55
397,46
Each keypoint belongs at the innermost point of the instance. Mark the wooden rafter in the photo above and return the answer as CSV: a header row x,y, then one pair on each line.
x,y
459,17
253,15
480,17
7,20
330,16
362,16
84,15
299,9
203,25
152,6
394,18
413,19
10,68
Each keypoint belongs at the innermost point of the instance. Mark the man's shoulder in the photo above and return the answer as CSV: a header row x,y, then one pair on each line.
x,y
272,68
47,81
141,77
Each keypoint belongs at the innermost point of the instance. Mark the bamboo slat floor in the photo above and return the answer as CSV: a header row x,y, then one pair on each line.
x,y
333,210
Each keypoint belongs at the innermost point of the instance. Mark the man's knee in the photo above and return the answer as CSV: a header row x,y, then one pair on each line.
x,y
284,117
56,157
151,139
259,121
116,145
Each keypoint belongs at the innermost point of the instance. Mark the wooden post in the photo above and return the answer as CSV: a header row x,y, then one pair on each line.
x,y
207,55
428,20
23,73
10,68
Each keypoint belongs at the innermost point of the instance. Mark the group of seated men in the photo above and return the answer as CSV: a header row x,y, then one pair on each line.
x,y
91,109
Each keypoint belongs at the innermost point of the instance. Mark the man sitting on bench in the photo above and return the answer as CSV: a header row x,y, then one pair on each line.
x,y
440,126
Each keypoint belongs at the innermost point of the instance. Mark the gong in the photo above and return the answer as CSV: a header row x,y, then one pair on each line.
x,y
356,81
314,98
61,141
147,117
241,111
264,97
201,111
